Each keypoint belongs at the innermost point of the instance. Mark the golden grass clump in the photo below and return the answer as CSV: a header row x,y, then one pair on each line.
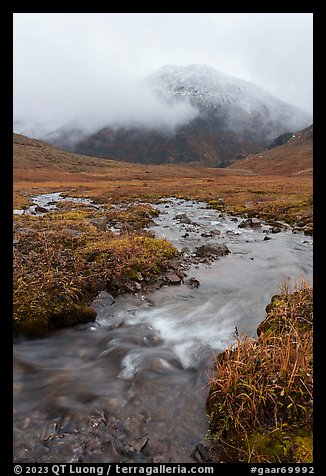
x,y
62,260
260,401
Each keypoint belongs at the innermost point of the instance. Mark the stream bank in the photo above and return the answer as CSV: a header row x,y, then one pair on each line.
x,y
132,386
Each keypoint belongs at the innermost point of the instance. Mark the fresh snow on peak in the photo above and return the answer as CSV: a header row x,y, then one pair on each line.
x,y
212,90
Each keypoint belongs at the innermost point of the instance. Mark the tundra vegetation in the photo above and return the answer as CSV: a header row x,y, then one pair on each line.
x,y
260,402
261,391
62,260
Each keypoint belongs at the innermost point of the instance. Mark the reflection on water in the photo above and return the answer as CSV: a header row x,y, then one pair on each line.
x,y
132,387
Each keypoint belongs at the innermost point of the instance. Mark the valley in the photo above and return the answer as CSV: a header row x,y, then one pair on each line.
x,y
140,275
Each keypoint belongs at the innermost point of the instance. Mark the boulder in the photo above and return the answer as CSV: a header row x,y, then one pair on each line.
x,y
39,209
183,218
212,250
192,282
172,278
102,301
210,234
250,223
135,446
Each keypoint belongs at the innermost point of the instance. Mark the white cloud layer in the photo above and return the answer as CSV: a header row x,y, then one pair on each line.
x,y
72,64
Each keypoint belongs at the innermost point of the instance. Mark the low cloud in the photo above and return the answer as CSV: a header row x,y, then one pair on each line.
x,y
117,102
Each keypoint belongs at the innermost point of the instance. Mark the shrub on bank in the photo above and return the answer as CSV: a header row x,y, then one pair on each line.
x,y
260,401
62,260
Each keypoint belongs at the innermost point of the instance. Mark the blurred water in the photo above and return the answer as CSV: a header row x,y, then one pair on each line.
x,y
144,364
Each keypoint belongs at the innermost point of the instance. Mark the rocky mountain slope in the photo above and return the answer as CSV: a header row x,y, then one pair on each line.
x,y
293,156
233,118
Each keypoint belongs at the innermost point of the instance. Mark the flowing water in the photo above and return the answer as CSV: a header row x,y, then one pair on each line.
x,y
132,386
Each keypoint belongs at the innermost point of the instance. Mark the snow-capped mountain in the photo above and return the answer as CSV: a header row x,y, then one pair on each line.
x,y
235,99
234,118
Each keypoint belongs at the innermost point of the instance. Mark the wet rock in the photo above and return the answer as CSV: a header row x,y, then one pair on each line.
x,y
192,282
185,250
183,218
205,251
308,230
275,229
102,301
154,339
220,201
185,235
135,446
39,209
200,453
232,233
137,286
210,234
52,203
267,238
250,223
234,219
172,278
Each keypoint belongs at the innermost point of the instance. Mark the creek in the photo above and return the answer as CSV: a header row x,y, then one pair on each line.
x,y
132,386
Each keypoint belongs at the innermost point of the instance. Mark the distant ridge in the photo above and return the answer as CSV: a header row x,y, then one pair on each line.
x,y
293,157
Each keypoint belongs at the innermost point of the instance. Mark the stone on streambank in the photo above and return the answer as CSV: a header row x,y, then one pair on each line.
x,y
210,234
250,223
201,454
172,278
102,301
39,209
183,218
210,251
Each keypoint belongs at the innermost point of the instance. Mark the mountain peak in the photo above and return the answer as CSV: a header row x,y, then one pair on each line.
x,y
231,98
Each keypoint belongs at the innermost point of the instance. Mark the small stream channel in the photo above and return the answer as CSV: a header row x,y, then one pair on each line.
x,y
132,386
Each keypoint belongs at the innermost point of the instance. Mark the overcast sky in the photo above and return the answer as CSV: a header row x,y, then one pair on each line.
x,y
67,64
